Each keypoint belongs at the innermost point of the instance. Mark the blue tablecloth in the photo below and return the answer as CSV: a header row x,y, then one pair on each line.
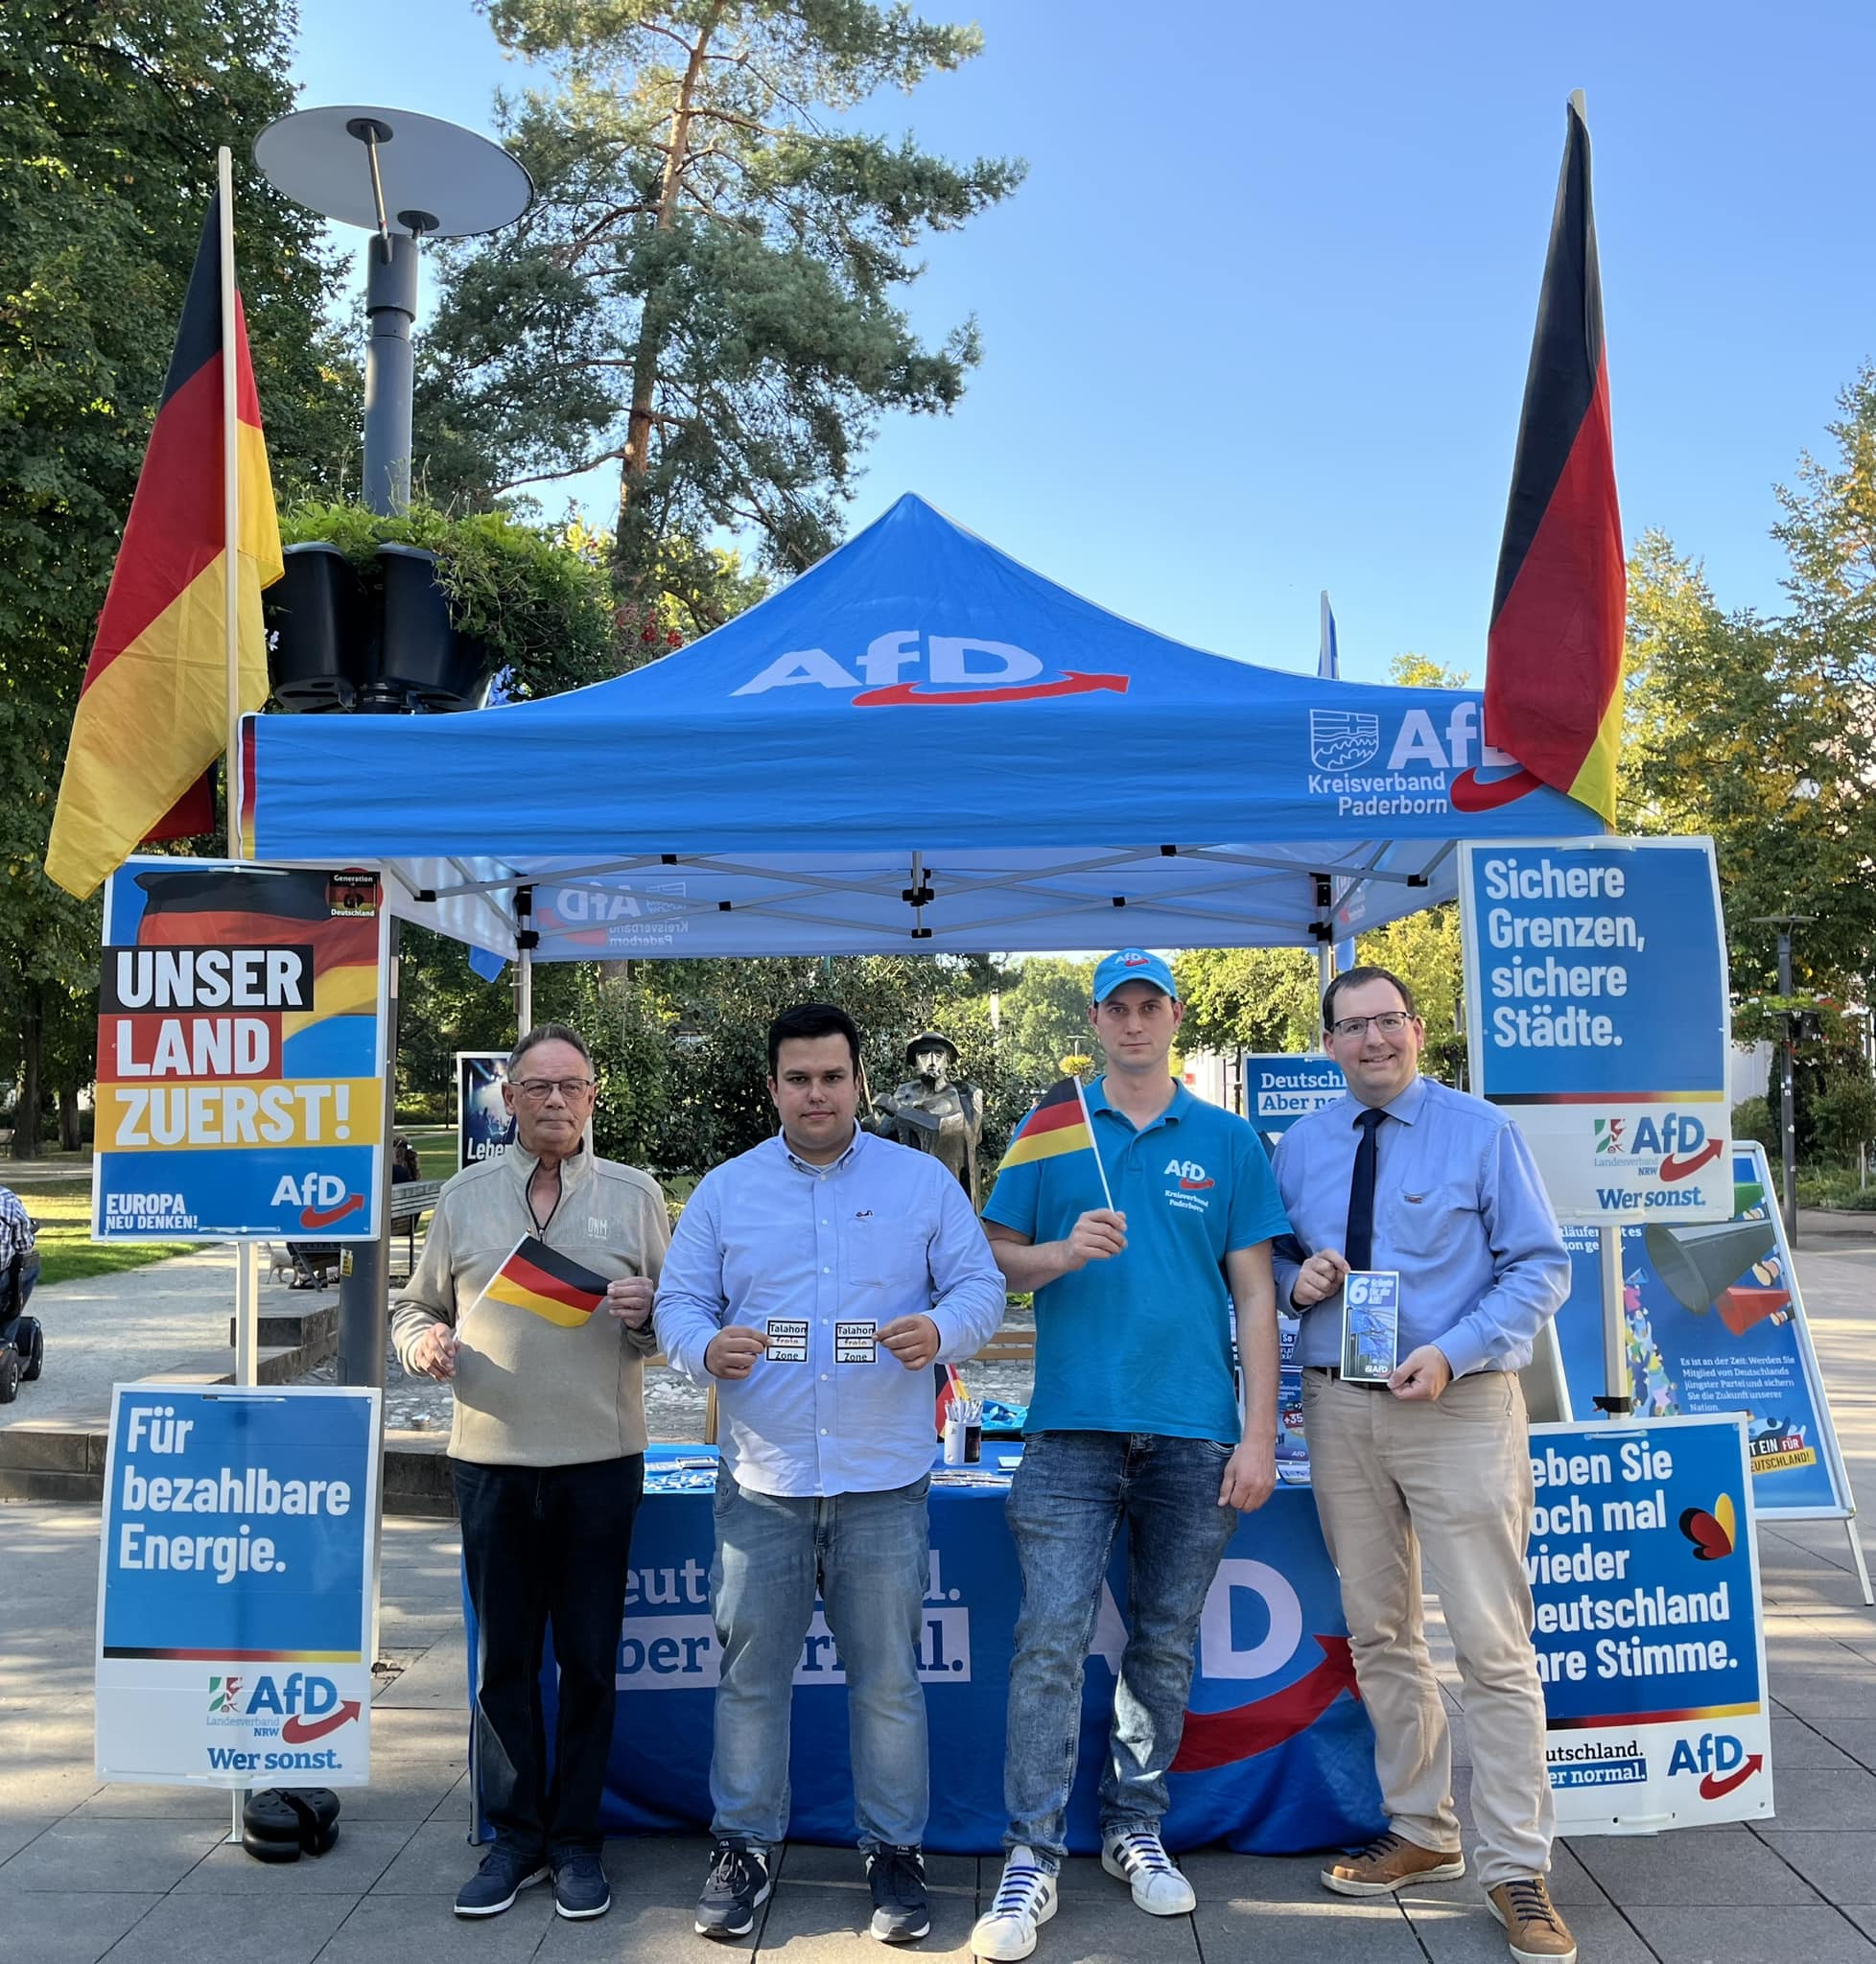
x,y
1278,1757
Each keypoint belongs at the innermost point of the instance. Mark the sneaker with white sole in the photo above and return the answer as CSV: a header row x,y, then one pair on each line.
x,y
1025,1900
1139,1858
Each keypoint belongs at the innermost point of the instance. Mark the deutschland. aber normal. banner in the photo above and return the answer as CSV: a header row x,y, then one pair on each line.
x,y
241,1059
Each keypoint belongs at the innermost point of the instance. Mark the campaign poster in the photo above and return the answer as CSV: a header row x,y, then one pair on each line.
x,y
234,1586
1713,1322
1281,1087
484,1126
241,1053
1644,1571
1598,1016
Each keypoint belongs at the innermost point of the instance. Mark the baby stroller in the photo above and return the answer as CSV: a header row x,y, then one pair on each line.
x,y
22,1340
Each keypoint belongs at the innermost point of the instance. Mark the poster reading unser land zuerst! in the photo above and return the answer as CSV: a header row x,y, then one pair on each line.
x,y
241,1065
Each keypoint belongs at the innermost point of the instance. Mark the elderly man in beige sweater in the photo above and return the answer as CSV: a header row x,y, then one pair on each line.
x,y
549,1445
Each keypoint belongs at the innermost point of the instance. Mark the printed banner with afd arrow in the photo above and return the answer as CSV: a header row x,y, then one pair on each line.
x,y
241,1058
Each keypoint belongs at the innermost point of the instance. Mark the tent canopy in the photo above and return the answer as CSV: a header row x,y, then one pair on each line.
x,y
919,745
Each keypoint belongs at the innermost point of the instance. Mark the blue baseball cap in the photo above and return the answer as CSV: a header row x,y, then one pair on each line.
x,y
1133,964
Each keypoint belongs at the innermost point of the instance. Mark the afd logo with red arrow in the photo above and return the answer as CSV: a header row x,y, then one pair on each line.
x,y
905,668
1719,1759
1221,1738
308,1706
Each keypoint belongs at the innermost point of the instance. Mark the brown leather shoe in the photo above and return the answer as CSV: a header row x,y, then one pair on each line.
x,y
1389,1863
1536,1931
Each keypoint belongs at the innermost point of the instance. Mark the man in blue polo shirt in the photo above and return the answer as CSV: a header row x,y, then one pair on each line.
x,y
1134,1421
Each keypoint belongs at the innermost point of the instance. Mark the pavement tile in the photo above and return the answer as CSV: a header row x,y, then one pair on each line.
x,y
1686,1936
1330,1930
105,1856
232,1930
1469,1933
1216,1874
637,1931
454,1807
1797,1746
803,1863
438,1680
828,1923
1846,1694
71,1926
1710,1867
127,1800
416,1929
434,1860
1854,1737
1862,1915
1819,1797
17,1830
1837,1863
362,1854
672,1866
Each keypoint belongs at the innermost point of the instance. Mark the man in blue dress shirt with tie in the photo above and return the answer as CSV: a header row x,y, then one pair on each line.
x,y
815,1279
1406,1175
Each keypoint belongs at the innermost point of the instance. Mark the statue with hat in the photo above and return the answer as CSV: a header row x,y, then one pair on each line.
x,y
934,1112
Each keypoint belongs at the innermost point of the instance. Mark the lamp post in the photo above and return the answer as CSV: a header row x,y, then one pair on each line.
x,y
1788,1092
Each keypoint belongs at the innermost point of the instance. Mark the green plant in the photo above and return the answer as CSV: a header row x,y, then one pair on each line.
x,y
1753,1118
1843,1112
541,606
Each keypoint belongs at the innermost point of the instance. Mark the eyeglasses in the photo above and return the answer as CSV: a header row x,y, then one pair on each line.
x,y
1389,1022
541,1090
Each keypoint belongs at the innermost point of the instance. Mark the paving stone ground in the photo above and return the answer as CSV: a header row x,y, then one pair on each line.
x,y
143,1876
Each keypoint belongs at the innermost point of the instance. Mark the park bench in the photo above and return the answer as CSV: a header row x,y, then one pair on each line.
x,y
317,1262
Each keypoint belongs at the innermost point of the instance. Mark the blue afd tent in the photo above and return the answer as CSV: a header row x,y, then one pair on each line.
x,y
919,745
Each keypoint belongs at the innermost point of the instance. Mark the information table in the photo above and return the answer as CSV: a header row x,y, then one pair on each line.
x,y
1278,1756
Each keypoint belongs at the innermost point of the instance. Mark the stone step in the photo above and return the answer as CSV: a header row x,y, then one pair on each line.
x,y
315,1326
64,1459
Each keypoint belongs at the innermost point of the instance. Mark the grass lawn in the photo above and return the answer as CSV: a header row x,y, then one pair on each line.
x,y
67,1252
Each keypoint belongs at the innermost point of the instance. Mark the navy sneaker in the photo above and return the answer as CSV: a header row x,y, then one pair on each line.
x,y
503,1874
901,1914
735,1887
580,1888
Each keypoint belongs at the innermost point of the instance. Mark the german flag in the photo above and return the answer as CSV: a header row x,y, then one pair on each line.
x,y
1553,694
152,714
1059,1124
550,1284
949,1391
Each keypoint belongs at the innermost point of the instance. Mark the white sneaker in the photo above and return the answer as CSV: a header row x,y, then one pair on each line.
x,y
1140,1860
1025,1898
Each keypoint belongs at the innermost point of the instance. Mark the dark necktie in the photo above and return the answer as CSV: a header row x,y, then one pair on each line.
x,y
1358,1244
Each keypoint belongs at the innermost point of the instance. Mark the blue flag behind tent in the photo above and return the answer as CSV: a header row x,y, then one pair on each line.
x,y
920,744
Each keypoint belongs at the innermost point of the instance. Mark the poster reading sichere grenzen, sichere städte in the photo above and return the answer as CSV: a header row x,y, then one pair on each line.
x,y
241,1053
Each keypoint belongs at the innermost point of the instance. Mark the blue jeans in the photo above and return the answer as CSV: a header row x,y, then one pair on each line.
x,y
545,1544
870,1557
1070,1498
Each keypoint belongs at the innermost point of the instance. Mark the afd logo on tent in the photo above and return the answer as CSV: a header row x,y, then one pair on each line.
x,y
1431,767
904,668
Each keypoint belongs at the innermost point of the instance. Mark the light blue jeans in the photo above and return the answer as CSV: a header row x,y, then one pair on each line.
x,y
1070,1498
869,1556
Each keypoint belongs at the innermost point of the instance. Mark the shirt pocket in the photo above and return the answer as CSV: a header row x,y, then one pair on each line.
x,y
1434,1220
886,1252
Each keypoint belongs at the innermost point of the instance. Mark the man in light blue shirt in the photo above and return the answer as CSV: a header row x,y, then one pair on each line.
x,y
816,1280
1407,1176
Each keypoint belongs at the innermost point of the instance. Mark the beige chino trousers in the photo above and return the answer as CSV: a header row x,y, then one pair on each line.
x,y
1447,1483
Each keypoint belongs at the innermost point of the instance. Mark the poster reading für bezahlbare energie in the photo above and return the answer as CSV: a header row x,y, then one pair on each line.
x,y
241,1053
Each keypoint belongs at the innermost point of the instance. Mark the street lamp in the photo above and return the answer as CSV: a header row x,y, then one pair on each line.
x,y
1788,1120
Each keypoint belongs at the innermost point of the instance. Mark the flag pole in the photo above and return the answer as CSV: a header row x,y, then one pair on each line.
x,y
246,1317
1087,1119
230,495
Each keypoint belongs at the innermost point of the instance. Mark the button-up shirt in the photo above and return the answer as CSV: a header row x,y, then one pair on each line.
x,y
775,1242
1460,1213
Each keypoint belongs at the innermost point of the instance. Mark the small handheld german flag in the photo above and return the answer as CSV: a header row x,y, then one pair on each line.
x,y
949,1391
547,1283
1057,1124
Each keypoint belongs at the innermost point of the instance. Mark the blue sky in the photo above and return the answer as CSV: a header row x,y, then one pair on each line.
x,y
1257,322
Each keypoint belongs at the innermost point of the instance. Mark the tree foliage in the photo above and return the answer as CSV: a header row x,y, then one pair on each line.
x,y
708,290
109,119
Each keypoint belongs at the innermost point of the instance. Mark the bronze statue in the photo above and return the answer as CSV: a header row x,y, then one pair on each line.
x,y
933,1111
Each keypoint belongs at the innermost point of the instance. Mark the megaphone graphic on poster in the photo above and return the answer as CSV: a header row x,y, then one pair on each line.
x,y
1700,1264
